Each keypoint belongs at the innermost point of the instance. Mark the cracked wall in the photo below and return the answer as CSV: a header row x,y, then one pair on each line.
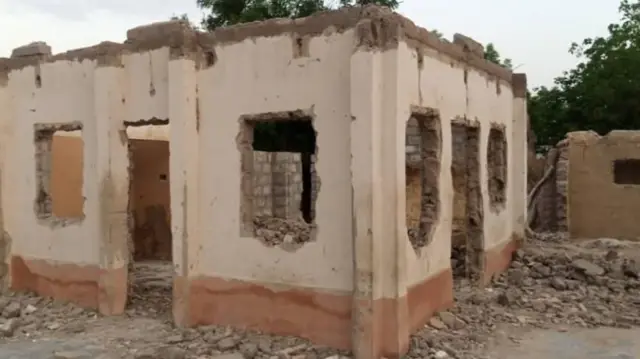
x,y
467,237
497,167
423,149
359,73
597,206
56,208
280,187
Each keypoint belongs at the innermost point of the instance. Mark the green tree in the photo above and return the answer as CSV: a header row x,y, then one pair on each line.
x,y
230,12
602,92
491,54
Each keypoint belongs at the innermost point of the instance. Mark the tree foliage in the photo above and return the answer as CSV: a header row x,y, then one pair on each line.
x,y
230,12
602,92
491,54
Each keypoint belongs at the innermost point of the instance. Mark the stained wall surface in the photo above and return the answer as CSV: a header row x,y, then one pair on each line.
x,y
150,202
597,205
66,176
359,270
431,79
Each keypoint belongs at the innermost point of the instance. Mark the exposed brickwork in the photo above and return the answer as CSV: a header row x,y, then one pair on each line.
x,y
262,184
467,237
551,206
423,159
277,184
497,167
412,145
277,198
561,186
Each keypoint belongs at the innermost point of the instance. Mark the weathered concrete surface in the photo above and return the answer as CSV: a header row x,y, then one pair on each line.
x,y
600,343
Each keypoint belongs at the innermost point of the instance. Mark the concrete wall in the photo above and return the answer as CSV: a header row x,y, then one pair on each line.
x,y
358,269
150,202
429,79
66,176
597,205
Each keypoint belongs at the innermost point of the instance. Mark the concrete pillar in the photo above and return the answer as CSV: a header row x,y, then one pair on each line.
x,y
380,308
184,164
519,153
112,166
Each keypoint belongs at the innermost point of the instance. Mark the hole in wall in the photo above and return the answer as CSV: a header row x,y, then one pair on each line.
x,y
149,206
423,146
279,180
467,236
300,47
626,171
210,58
59,161
497,167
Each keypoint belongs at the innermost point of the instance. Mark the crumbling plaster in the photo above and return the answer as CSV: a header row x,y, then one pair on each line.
x,y
597,206
430,79
359,99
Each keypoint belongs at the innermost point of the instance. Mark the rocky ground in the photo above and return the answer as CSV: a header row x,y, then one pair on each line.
x,y
552,285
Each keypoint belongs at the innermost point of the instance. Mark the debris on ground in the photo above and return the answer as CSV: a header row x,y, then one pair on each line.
x,y
552,283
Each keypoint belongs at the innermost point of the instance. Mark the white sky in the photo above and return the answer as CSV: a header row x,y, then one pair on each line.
x,y
534,34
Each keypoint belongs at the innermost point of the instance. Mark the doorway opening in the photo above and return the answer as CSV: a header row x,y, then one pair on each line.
x,y
150,239
467,232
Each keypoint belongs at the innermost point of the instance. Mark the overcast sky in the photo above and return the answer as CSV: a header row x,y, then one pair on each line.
x,y
534,34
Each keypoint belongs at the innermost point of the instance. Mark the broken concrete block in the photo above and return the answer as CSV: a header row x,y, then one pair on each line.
x,y
475,47
38,48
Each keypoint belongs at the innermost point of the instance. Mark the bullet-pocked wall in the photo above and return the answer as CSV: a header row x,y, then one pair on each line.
x,y
352,78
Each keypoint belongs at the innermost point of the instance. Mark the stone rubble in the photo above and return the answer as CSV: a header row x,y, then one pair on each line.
x,y
287,233
551,284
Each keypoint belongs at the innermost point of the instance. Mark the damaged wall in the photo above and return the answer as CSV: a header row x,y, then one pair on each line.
x,y
487,98
467,237
597,206
277,179
205,84
277,184
150,199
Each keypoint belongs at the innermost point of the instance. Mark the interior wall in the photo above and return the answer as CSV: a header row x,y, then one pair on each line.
x,y
150,199
328,260
66,176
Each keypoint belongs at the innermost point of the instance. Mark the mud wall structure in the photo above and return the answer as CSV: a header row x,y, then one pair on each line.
x,y
595,190
355,280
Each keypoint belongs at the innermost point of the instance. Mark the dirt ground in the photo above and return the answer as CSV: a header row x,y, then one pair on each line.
x,y
558,300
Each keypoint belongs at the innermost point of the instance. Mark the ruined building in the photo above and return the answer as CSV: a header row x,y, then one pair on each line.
x,y
592,188
419,143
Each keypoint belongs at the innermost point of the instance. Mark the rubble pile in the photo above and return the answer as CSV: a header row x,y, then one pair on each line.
x,y
551,284
274,231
